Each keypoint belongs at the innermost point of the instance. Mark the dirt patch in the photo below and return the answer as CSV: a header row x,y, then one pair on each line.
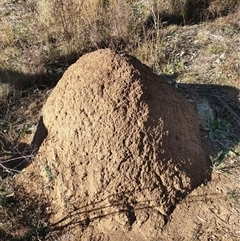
x,y
210,212
122,149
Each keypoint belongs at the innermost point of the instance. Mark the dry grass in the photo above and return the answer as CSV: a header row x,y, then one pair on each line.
x,y
40,39
44,37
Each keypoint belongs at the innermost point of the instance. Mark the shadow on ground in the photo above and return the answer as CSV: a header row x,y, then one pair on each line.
x,y
219,110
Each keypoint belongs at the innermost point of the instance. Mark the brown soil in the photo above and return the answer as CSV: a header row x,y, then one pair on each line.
x,y
210,212
120,148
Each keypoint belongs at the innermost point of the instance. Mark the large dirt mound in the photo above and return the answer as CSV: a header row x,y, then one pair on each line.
x,y
122,148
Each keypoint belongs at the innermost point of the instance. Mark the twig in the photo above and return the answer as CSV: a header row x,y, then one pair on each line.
x,y
217,216
18,158
8,170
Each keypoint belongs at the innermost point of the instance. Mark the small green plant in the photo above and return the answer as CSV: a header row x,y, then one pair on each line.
x,y
214,49
219,128
218,164
25,129
174,67
4,126
5,198
49,174
6,194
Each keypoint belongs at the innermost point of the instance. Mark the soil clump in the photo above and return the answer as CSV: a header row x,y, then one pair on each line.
x,y
119,148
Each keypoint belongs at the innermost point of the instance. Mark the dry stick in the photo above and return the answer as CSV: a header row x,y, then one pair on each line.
x,y
17,158
217,216
8,170
235,116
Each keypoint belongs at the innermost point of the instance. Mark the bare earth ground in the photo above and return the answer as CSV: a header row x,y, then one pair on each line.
x,y
207,213
211,211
